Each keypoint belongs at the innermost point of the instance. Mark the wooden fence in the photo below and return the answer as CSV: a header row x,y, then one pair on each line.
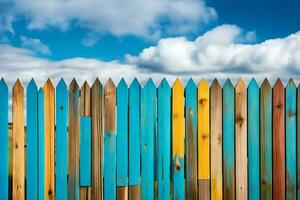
x,y
192,142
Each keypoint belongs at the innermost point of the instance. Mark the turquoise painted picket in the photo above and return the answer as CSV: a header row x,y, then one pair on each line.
x,y
253,141
32,141
85,167
228,141
3,140
148,124
163,139
290,134
122,134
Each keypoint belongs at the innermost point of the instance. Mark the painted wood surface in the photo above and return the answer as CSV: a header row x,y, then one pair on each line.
x,y
228,141
191,140
164,139
203,141
18,137
253,141
97,108
122,140
216,140
148,124
4,140
134,160
110,156
32,142
178,139
61,140
298,142
290,139
278,141
241,162
41,146
49,140
73,152
266,151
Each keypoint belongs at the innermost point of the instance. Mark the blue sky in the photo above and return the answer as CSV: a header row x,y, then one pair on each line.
x,y
175,38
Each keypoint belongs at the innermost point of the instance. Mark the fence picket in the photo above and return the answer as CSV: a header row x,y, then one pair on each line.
x,y
253,141
148,124
41,146
110,141
228,141
290,138
61,140
18,135
32,141
216,140
4,140
298,142
278,141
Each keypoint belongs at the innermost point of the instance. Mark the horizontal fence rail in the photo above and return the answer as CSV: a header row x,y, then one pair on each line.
x,y
124,141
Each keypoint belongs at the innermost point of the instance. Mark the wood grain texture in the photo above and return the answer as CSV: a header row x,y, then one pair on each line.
x,y
298,142
110,154
266,140
18,152
241,163
228,141
61,140
85,147
216,140
203,141
253,141
278,141
49,140
290,139
4,140
73,164
134,172
32,141
97,108
178,139
191,140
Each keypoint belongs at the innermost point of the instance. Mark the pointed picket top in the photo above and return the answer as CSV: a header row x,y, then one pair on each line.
x,y
109,85
97,83
241,85
85,87
135,83
3,84
190,85
265,84
122,84
61,84
40,90
215,84
150,84
203,84
291,83
73,85
228,84
178,85
253,84
278,84
18,85
32,85
164,84
48,84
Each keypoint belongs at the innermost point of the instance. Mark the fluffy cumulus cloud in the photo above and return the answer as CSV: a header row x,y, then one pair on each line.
x,y
35,44
118,17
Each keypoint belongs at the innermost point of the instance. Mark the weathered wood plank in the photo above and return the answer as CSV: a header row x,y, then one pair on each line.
x,y
61,140
49,140
122,140
41,146
3,140
18,164
134,140
290,139
32,141
73,153
216,140
278,141
85,165
228,141
203,141
191,140
110,141
97,139
266,140
241,163
148,124
253,141
178,139
164,139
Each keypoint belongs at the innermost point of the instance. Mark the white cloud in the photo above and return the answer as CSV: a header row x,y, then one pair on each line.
x,y
118,17
35,44
90,39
